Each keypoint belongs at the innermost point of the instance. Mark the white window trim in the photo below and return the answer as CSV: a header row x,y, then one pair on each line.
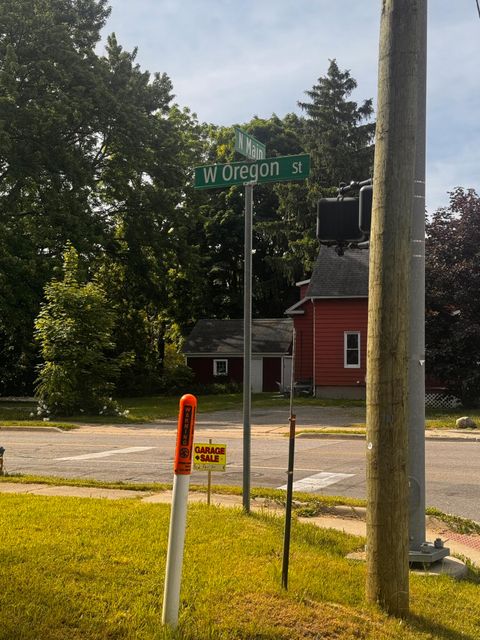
x,y
345,338
215,364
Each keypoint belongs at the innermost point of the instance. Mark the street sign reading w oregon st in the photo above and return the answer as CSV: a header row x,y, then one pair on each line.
x,y
267,170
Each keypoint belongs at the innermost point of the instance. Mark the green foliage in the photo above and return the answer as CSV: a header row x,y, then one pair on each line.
x,y
91,151
74,330
453,306
177,380
337,132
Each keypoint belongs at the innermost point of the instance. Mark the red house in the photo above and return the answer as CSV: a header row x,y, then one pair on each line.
x,y
214,351
330,321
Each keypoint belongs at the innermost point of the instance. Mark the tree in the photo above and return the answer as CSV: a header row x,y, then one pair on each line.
x,y
92,151
222,229
74,329
47,78
452,303
337,133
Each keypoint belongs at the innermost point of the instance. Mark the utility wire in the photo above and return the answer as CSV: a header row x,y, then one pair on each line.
x,y
478,7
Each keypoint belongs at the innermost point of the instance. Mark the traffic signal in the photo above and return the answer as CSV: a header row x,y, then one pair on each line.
x,y
365,208
337,221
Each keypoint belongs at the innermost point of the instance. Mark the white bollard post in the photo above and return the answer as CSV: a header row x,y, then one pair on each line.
x,y
178,516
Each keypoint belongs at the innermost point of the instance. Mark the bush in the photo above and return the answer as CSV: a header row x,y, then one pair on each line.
x,y
74,330
177,379
216,388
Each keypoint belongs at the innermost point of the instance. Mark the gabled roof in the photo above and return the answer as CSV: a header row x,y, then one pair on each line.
x,y
222,337
337,276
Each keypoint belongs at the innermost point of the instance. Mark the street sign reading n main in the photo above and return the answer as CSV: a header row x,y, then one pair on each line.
x,y
249,146
268,170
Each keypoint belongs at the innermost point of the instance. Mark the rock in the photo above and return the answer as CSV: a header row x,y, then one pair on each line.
x,y
465,423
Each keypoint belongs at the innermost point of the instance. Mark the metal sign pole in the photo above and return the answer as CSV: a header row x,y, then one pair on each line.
x,y
291,464
247,345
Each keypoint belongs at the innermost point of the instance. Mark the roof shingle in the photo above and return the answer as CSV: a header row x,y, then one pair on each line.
x,y
337,276
222,337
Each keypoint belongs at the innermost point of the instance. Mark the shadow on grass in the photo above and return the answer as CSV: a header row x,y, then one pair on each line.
x,y
436,630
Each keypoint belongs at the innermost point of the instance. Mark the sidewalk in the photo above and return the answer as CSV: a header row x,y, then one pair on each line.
x,y
348,519
231,429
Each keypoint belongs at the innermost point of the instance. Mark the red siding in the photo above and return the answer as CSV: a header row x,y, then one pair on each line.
x,y
332,319
303,290
304,343
203,369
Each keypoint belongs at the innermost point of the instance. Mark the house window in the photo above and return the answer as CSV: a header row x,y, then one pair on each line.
x,y
351,351
220,367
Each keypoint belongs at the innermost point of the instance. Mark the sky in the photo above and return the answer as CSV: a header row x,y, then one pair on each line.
x,y
230,60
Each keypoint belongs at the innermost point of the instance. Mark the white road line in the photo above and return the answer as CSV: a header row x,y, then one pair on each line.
x,y
318,481
106,454
265,466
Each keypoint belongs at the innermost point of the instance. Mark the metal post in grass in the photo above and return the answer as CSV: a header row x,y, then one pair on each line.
x,y
291,463
209,481
178,515
247,345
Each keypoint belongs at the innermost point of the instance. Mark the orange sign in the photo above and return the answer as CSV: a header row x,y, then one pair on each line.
x,y
186,425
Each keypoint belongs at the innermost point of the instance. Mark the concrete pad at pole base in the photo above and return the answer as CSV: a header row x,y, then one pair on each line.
x,y
452,567
448,566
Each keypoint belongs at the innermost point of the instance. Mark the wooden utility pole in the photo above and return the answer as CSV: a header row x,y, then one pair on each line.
x,y
388,326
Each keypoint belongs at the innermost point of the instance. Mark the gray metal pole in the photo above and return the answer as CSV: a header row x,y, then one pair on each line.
x,y
247,344
419,549
416,432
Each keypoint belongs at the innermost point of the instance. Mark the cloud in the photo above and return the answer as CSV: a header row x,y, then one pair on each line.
x,y
232,59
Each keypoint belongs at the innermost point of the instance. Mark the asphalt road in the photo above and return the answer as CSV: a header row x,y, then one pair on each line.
x,y
329,466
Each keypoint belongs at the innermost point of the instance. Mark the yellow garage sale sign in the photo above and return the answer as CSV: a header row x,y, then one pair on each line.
x,y
209,456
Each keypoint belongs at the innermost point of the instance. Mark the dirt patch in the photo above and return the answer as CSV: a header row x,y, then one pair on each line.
x,y
261,616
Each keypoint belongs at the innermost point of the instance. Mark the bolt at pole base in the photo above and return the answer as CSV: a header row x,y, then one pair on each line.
x,y
427,554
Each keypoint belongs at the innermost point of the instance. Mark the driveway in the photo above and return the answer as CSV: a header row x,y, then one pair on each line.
x,y
276,418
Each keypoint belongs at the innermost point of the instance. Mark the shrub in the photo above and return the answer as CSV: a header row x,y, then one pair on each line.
x,y
177,379
74,330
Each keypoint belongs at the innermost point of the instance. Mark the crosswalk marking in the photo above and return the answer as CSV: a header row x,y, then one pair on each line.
x,y
318,481
106,454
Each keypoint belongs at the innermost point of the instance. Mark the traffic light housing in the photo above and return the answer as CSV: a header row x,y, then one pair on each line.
x,y
338,221
365,208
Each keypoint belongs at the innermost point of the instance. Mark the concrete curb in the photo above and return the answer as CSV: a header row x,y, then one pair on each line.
x,y
36,429
359,436
453,436
331,435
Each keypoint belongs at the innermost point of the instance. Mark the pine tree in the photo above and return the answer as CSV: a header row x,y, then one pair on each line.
x,y
337,133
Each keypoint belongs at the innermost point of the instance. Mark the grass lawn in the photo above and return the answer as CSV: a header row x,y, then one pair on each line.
x,y
91,569
151,408
144,409
445,419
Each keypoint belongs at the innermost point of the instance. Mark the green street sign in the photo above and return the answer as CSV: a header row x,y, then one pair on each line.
x,y
248,146
268,170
